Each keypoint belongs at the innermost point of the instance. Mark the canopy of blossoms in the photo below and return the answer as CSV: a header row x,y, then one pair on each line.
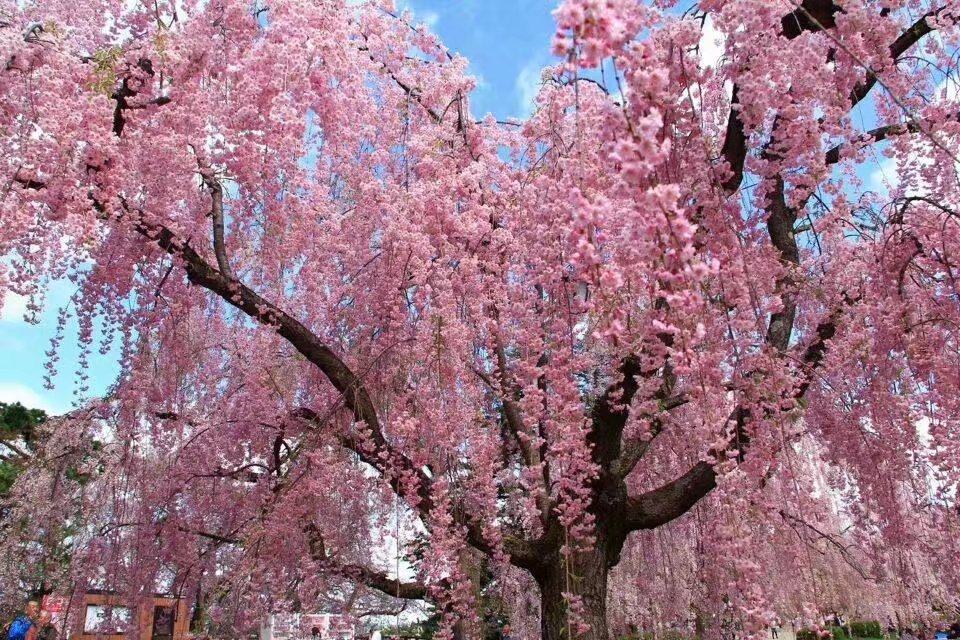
x,y
665,323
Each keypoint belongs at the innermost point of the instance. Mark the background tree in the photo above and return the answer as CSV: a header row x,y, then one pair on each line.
x,y
346,306
17,437
44,476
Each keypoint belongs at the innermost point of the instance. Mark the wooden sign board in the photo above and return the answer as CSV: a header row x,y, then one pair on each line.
x,y
109,616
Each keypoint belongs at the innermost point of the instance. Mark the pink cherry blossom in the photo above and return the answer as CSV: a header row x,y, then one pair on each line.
x,y
628,362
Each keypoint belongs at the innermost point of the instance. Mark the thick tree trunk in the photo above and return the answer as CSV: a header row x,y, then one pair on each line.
x,y
585,575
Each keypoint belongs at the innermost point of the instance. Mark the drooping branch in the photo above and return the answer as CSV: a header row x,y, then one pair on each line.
x,y
734,150
236,293
520,552
371,446
508,394
380,455
904,42
843,550
677,497
635,448
673,499
409,590
406,590
812,15
876,134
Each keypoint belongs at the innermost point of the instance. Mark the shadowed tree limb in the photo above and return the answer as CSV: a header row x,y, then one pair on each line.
x,y
904,42
406,590
811,15
216,215
673,499
876,134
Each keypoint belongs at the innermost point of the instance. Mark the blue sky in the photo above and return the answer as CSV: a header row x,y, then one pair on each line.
x,y
507,43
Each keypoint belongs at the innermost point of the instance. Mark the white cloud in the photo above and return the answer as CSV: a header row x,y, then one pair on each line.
x,y
949,89
17,392
527,85
430,18
479,80
427,17
13,307
885,177
712,45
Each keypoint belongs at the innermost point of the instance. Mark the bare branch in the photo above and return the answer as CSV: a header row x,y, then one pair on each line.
x,y
220,539
216,214
874,135
17,450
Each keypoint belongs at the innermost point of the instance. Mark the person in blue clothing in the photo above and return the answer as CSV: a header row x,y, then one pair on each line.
x,y
23,623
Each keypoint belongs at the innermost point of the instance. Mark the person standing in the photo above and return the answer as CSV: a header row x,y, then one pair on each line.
x,y
46,630
954,632
21,626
